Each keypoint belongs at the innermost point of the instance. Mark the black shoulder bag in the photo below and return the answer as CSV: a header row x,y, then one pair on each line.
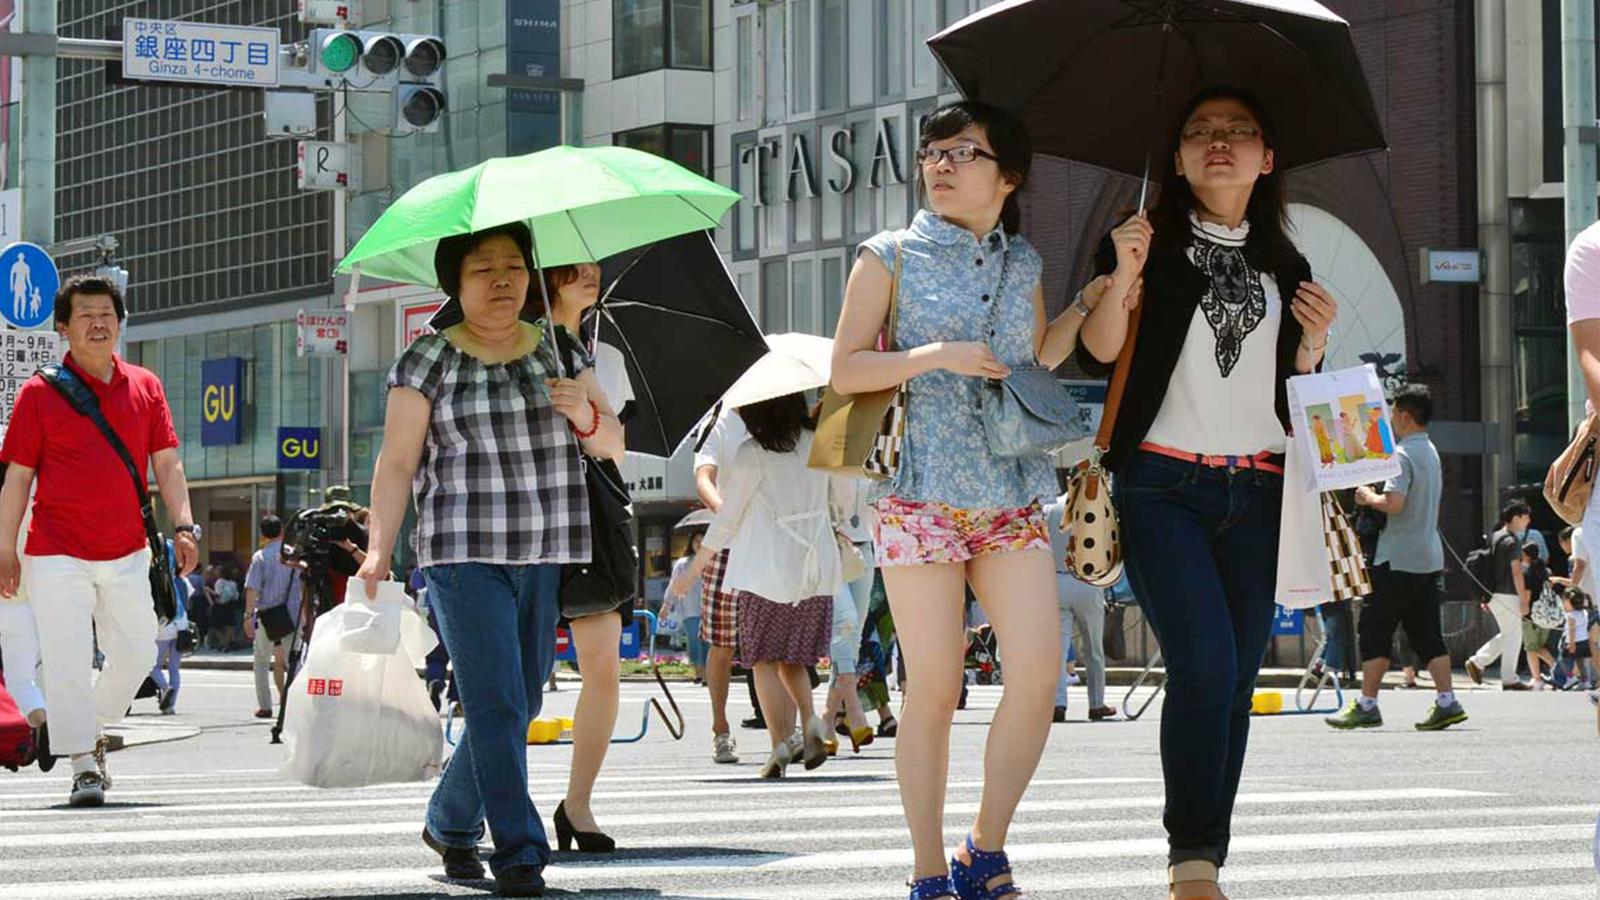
x,y
81,399
606,582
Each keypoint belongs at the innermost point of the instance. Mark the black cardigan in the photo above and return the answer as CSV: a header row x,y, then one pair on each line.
x,y
1172,290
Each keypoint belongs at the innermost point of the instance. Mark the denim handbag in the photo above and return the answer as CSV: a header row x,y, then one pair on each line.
x,y
1028,413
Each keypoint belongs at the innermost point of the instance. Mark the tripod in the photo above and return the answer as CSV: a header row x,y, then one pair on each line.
x,y
316,598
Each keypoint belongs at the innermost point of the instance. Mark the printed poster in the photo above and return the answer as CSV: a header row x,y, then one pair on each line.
x,y
1342,429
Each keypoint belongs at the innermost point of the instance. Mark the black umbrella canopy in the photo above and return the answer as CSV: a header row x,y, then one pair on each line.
x,y
1103,81
673,311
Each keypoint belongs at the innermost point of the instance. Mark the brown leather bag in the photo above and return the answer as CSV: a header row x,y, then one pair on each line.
x,y
859,435
1570,480
1094,552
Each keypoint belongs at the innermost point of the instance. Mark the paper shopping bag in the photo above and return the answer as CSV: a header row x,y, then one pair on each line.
x,y
1303,572
1342,430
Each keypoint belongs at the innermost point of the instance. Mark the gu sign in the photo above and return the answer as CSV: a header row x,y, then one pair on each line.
x,y
222,415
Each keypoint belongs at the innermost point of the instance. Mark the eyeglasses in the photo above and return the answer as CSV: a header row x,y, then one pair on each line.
x,y
930,156
1236,134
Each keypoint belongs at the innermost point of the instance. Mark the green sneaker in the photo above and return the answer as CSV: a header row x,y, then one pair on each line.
x,y
1353,716
1440,718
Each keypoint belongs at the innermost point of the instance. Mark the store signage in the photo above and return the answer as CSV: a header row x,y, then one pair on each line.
x,y
221,413
413,321
199,53
1288,622
834,170
21,355
322,333
300,448
1452,266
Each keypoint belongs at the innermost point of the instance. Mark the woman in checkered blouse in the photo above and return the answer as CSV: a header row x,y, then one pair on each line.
x,y
485,432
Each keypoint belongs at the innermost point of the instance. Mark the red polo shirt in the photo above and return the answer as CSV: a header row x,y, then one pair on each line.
x,y
85,506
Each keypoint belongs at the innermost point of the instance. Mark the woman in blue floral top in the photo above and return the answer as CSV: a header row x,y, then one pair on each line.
x,y
970,307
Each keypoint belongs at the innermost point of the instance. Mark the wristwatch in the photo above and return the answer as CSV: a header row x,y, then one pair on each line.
x,y
194,531
1080,307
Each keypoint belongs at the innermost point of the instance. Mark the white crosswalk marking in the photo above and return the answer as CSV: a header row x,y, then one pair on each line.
x,y
716,832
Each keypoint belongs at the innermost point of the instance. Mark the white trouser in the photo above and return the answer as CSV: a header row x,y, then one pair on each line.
x,y
263,647
1507,611
68,596
19,646
1086,604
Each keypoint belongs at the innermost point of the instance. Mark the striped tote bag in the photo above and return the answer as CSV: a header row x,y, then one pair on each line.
x,y
1347,565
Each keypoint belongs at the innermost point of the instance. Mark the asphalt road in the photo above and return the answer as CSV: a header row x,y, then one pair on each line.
x,y
1502,806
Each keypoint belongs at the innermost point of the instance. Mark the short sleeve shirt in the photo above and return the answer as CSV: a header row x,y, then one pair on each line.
x,y
86,506
499,481
274,582
728,433
1410,540
951,289
1506,548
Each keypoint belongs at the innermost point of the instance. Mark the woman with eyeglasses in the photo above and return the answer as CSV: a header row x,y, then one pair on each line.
x,y
1230,313
970,307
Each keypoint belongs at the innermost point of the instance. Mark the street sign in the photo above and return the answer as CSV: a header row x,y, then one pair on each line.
x,y
10,216
300,448
199,53
222,418
322,333
31,282
21,354
414,321
1451,266
322,165
1288,622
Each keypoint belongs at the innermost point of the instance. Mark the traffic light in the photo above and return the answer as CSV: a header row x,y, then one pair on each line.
x,y
419,100
375,60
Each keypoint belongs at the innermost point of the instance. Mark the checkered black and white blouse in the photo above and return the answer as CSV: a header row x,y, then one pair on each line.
x,y
499,481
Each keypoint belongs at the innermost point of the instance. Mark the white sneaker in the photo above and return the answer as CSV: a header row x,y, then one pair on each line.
x,y
724,749
777,763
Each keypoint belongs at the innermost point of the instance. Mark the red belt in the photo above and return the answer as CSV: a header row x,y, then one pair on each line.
x,y
1261,462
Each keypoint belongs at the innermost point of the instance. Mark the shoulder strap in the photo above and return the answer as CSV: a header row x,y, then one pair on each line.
x,y
1119,380
894,294
81,399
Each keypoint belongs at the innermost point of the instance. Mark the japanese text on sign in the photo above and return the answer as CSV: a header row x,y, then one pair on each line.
x,y
322,333
200,52
21,354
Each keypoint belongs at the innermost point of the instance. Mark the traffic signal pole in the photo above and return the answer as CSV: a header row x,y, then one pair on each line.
x,y
38,107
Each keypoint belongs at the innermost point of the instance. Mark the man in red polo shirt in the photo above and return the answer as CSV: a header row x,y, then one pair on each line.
x,y
87,559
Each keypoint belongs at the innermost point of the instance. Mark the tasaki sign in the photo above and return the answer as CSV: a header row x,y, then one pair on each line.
x,y
221,404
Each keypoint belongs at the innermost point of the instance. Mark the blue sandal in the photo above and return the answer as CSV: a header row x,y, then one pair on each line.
x,y
972,881
931,888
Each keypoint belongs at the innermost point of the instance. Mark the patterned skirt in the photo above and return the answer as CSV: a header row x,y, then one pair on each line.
x,y
779,632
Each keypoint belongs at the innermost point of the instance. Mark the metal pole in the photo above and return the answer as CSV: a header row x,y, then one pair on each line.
x,y
1578,154
39,128
1498,389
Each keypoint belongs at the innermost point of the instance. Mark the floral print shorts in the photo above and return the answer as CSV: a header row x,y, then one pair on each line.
x,y
911,533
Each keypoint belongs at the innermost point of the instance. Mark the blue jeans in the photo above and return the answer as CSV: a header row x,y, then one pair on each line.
x,y
1202,551
499,623
697,647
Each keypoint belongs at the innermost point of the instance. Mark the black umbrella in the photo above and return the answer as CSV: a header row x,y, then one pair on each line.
x,y
674,313
687,336
1103,81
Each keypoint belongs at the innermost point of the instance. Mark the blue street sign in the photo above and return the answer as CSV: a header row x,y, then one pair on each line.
x,y
31,285
1288,622
628,648
300,448
222,418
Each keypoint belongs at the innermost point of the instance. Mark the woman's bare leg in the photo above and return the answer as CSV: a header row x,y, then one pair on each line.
x,y
596,638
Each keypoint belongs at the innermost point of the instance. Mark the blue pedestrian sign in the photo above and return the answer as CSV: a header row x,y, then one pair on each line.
x,y
31,282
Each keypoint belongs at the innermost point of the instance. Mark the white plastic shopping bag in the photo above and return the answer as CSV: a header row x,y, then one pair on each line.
x,y
1304,577
1342,430
373,626
356,719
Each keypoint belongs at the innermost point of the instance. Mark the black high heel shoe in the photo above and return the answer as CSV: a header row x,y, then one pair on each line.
x,y
588,841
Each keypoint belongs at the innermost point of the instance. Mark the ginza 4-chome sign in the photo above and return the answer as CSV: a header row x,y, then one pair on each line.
x,y
805,175
199,53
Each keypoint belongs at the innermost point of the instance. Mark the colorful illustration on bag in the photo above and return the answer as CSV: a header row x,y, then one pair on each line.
x,y
1343,432
1321,419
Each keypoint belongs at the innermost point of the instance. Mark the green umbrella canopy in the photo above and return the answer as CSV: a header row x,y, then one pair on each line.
x,y
583,204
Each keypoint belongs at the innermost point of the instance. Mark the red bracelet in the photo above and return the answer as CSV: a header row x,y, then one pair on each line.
x,y
585,435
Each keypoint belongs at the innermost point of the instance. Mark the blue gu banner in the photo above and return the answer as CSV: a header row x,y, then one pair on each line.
x,y
222,415
300,448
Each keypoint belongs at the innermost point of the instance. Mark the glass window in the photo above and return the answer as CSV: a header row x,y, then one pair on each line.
x,y
891,47
800,49
775,297
687,145
832,53
772,18
691,34
745,67
638,36
832,293
802,295
863,81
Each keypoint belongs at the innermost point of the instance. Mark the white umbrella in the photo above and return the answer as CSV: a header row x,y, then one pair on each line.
x,y
794,363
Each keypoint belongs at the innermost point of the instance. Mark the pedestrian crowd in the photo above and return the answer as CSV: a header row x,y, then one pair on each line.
x,y
499,422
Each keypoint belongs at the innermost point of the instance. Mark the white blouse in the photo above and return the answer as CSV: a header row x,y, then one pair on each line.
x,y
775,520
1222,397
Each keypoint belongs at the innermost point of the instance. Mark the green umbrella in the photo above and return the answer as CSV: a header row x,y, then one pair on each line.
x,y
582,204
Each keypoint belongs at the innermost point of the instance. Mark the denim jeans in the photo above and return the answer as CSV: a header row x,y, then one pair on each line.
x,y
499,623
1202,550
